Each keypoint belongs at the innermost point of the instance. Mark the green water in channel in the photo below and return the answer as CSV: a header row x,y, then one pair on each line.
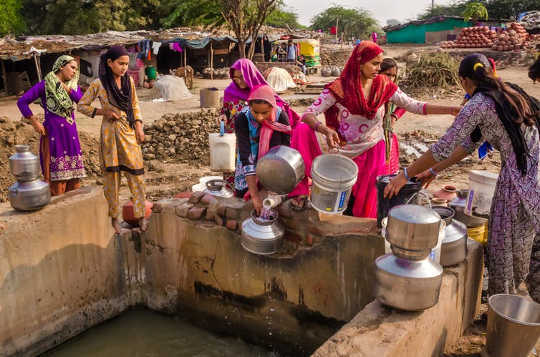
x,y
143,333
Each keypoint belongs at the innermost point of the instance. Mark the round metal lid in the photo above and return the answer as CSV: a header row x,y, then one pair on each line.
x,y
414,214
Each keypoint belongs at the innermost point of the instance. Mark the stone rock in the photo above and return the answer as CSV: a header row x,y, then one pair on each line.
x,y
211,211
208,199
232,224
196,213
219,220
221,209
183,210
309,239
196,197
183,195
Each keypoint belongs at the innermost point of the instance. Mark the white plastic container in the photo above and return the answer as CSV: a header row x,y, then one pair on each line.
x,y
222,151
481,190
435,254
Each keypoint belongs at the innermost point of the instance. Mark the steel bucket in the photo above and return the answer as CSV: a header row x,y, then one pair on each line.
x,y
513,326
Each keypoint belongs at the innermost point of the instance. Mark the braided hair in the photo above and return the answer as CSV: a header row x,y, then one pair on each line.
x,y
534,70
513,109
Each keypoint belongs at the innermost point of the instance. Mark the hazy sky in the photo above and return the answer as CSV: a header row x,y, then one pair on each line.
x,y
381,10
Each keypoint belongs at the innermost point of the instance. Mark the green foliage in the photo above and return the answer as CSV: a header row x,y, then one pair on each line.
x,y
475,11
11,21
356,23
283,18
497,9
192,12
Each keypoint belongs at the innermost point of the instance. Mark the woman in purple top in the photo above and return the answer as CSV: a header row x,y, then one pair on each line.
x,y
60,150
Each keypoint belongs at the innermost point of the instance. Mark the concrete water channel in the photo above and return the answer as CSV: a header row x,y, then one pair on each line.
x,y
63,271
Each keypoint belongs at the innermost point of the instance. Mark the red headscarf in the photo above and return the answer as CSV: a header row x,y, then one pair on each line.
x,y
347,89
266,93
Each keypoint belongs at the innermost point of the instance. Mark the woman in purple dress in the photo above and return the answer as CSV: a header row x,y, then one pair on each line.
x,y
60,150
509,119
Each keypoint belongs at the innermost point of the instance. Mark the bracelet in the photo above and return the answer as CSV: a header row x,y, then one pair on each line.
x,y
406,174
433,172
317,125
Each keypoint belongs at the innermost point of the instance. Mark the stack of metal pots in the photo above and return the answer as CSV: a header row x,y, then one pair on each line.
x,y
408,279
29,192
454,244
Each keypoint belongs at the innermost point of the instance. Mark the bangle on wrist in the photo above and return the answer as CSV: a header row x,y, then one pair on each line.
x,y
406,174
433,172
317,125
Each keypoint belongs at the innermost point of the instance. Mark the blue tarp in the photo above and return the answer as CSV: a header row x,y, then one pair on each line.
x,y
204,42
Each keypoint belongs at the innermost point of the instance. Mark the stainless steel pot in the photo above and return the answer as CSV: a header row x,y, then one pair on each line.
x,y
218,188
281,169
261,236
29,195
407,285
413,227
454,244
23,164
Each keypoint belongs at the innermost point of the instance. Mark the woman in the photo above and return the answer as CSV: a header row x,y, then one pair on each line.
x,y
121,132
389,68
509,120
60,150
354,105
245,76
534,70
259,127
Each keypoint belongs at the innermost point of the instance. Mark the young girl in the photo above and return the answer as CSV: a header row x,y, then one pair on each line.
x,y
259,127
389,68
121,132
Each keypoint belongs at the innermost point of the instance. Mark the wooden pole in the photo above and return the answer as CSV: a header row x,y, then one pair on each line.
x,y
38,67
185,56
337,28
4,76
212,60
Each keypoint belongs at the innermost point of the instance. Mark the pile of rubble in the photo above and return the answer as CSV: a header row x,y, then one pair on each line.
x,y
335,55
16,132
181,137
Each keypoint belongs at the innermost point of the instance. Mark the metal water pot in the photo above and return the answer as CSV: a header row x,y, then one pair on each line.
x,y
413,228
29,195
261,236
23,164
281,169
218,188
454,244
410,285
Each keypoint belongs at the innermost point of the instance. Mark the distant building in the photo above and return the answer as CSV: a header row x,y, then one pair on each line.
x,y
432,30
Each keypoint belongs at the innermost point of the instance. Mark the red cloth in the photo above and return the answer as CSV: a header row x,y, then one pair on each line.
x,y
399,112
333,30
267,94
348,91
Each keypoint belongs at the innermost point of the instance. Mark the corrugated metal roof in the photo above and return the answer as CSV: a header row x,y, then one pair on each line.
x,y
435,19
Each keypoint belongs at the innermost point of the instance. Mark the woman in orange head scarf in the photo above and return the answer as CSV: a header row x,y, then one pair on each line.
x,y
354,108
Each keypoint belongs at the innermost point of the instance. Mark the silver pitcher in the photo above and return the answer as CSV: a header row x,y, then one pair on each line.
x,y
218,188
410,285
281,169
23,164
262,236
29,195
454,244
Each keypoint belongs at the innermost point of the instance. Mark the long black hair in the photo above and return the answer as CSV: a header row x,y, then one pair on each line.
x,y
513,108
534,70
388,63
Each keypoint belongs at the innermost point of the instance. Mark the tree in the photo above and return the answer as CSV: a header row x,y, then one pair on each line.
x,y
352,22
283,18
245,18
497,9
10,17
442,10
392,22
475,11
192,12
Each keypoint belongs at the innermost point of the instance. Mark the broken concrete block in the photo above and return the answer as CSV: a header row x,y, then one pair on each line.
x,y
208,199
196,213
219,220
183,195
183,209
196,197
211,211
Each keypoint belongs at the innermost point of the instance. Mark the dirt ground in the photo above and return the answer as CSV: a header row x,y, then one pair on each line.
x,y
167,178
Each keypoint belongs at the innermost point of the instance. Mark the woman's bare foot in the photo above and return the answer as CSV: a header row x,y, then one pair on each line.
x,y
116,225
143,224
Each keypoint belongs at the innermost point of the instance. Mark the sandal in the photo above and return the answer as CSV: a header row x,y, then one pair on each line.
x,y
143,224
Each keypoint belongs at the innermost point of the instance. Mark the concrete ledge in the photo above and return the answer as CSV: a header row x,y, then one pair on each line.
x,y
380,331
61,272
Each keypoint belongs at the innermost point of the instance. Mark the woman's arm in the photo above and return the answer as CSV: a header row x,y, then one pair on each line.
x,y
76,94
85,103
325,101
414,106
139,132
429,175
24,106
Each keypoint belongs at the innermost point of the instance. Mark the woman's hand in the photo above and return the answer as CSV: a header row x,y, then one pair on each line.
x,y
394,186
139,132
332,138
110,115
38,127
257,203
426,177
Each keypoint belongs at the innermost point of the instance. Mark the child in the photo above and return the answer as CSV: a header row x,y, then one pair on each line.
x,y
259,127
